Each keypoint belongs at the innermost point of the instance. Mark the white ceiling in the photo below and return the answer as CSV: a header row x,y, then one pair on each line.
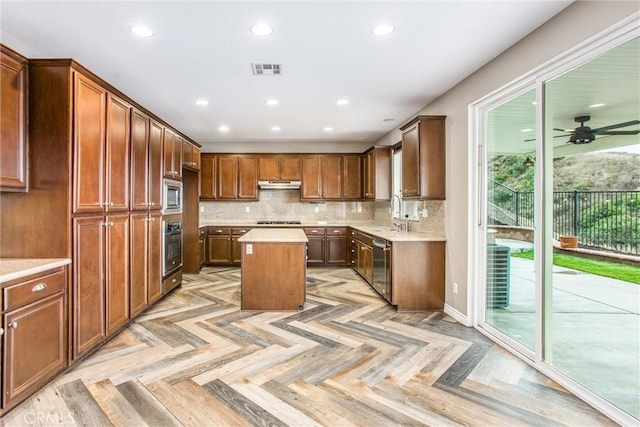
x,y
203,49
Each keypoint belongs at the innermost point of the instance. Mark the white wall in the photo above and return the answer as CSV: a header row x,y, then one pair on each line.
x,y
575,24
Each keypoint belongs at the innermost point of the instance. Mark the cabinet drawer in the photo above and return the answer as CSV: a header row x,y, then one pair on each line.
x,y
353,233
172,281
314,231
365,238
240,231
353,251
336,231
26,292
219,230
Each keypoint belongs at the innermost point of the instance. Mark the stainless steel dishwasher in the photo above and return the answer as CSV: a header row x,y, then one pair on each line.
x,y
382,267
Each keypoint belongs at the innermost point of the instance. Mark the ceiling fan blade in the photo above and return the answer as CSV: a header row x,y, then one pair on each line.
x,y
618,132
617,125
560,130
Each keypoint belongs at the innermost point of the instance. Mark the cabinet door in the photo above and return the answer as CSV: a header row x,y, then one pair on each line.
x,y
88,284
410,163
139,262
88,147
248,177
365,262
219,250
202,250
432,158
196,157
331,177
117,271
139,160
154,271
236,250
187,154
268,167
208,187
227,177
117,154
315,250
169,143
35,347
337,250
13,123
156,165
369,175
177,157
289,165
352,175
311,179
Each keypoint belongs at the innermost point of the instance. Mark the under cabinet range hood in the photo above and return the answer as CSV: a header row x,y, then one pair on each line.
x,y
279,185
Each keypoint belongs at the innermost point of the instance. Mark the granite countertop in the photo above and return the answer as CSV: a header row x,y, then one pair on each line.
x,y
15,268
385,232
274,235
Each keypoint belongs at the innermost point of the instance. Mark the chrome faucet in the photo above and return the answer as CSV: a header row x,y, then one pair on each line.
x,y
393,198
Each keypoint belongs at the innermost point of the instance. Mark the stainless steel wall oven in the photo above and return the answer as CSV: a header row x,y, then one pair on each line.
x,y
172,245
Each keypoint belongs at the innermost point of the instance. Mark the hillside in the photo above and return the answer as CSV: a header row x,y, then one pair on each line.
x,y
586,172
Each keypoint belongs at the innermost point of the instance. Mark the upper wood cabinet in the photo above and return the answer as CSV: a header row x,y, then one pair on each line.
x,y
321,177
276,167
156,164
377,173
172,154
352,176
208,177
13,121
237,177
101,149
146,162
190,156
423,158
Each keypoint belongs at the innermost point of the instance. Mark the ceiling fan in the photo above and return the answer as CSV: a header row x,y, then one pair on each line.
x,y
584,134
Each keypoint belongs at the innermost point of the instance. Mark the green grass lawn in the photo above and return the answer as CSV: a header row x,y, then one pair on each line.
x,y
615,270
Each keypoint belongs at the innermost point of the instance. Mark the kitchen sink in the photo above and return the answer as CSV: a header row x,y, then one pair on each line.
x,y
385,229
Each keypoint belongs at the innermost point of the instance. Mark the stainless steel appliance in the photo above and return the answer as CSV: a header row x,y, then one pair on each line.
x,y
171,197
382,267
172,246
279,185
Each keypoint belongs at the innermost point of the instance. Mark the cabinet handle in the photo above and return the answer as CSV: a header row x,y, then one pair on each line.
x,y
39,287
1,331
336,231
173,281
153,203
218,231
13,325
314,231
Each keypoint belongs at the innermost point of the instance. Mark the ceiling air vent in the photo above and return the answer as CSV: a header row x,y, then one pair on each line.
x,y
266,69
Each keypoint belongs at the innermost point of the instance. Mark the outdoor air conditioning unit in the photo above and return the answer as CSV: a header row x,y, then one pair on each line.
x,y
498,262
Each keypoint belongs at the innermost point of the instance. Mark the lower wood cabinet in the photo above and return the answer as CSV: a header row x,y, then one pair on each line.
x,y
35,334
219,246
202,246
146,261
100,279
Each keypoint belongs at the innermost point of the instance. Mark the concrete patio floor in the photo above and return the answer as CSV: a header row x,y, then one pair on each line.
x,y
595,328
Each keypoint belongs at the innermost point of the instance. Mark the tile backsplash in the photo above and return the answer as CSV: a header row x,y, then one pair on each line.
x,y
285,205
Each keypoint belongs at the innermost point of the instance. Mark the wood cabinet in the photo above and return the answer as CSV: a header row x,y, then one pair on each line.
x,y
361,253
190,156
172,154
327,246
315,246
279,167
202,246
13,121
100,279
377,173
423,158
236,233
321,177
219,246
145,261
208,177
352,177
35,333
146,162
237,177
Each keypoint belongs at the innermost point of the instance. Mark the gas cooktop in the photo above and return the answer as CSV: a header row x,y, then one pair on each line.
x,y
279,222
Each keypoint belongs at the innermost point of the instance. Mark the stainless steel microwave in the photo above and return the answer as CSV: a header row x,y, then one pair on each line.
x,y
171,197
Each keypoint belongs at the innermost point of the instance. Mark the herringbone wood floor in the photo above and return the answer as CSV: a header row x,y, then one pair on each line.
x,y
347,359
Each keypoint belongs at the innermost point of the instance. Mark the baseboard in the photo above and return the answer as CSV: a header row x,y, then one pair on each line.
x,y
457,315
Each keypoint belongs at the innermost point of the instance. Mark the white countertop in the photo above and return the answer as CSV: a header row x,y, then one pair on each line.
x,y
384,232
274,235
15,268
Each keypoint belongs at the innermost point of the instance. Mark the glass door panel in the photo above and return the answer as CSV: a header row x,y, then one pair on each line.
x,y
510,297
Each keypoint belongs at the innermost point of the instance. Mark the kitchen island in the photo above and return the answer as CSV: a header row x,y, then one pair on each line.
x,y
274,269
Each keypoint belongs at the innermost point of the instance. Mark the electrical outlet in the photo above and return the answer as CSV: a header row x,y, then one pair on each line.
x,y
316,209
201,209
247,209
425,213
455,288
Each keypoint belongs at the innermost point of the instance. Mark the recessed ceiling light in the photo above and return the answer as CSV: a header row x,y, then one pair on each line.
x,y
526,130
342,101
261,29
223,128
272,102
383,29
597,105
202,102
275,128
141,30
328,129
